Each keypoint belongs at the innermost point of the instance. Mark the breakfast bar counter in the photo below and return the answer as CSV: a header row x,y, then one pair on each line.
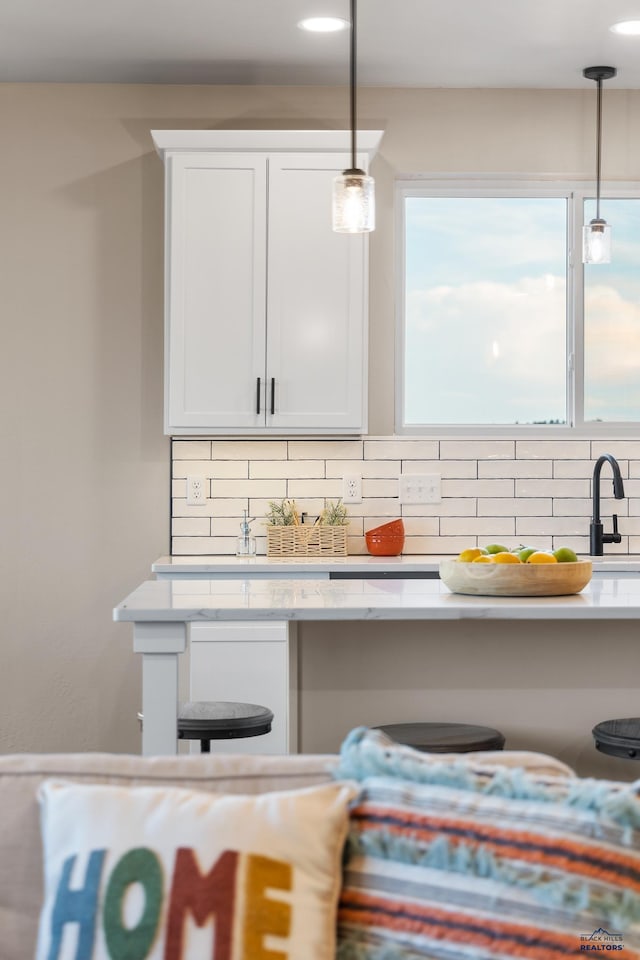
x,y
161,610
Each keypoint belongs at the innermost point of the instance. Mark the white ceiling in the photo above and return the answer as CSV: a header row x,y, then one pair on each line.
x,y
419,43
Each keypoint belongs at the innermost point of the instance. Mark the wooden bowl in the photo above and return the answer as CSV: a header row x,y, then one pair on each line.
x,y
515,579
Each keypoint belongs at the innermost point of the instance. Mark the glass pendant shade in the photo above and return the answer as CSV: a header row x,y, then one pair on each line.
x,y
596,242
354,209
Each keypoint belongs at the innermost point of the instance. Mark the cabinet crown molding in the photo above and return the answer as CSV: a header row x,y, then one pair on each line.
x,y
176,141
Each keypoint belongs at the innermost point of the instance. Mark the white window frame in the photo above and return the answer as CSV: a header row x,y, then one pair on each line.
x,y
575,193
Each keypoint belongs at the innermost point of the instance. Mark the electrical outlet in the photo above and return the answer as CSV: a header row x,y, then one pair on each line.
x,y
420,488
196,492
352,489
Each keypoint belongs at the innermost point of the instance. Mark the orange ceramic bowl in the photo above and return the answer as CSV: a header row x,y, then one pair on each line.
x,y
386,540
394,528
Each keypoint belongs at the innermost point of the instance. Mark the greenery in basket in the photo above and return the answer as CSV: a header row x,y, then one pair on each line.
x,y
285,514
334,514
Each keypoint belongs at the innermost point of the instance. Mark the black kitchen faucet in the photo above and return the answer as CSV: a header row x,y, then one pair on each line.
x,y
597,537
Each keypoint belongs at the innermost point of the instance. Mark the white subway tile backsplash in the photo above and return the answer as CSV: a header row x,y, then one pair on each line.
x,y
191,450
272,489
230,470
268,469
297,489
552,488
620,449
249,449
419,466
504,490
567,469
515,468
401,450
550,526
379,488
374,469
191,526
452,469
477,488
477,526
512,507
552,449
477,449
180,508
325,449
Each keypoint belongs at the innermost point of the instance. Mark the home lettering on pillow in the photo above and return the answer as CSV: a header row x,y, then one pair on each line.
x,y
236,883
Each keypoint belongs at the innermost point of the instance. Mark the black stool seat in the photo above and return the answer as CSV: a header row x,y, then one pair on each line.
x,y
444,737
207,720
620,738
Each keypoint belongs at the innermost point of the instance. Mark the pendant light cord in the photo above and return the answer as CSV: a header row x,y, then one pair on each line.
x,y
352,81
598,145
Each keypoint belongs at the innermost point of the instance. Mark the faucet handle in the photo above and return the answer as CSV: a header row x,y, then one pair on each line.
x,y
616,537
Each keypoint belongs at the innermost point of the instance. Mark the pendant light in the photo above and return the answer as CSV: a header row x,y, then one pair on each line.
x,y
596,239
353,196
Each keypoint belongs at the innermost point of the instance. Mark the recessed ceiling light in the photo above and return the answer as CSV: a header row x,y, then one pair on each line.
x,y
323,24
629,28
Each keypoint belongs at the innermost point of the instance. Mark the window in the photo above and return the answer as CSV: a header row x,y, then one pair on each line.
x,y
499,328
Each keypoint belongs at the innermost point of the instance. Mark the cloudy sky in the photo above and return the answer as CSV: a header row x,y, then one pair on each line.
x,y
486,312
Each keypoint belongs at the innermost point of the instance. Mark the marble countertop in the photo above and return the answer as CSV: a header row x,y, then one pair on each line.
x,y
605,598
415,563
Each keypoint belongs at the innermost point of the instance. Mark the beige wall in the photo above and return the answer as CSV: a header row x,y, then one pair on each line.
x,y
85,479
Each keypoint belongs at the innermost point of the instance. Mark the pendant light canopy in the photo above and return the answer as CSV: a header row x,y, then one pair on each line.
x,y
353,189
596,240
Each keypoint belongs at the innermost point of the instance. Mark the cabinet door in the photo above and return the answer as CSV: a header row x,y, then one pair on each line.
x,y
216,289
317,301
248,663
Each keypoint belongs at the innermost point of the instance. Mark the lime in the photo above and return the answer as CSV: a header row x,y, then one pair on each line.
x,y
525,552
496,548
565,555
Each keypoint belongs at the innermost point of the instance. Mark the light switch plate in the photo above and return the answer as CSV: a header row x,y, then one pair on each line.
x,y
420,488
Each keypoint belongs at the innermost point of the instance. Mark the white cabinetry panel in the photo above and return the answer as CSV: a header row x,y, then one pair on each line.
x,y
215,289
316,305
249,663
266,307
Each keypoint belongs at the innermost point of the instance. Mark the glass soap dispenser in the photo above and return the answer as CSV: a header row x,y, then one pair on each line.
x,y
246,544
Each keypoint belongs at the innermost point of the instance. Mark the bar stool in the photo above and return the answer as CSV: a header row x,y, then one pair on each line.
x,y
207,720
619,738
444,737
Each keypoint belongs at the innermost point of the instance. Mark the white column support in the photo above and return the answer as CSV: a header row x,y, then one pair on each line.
x,y
160,645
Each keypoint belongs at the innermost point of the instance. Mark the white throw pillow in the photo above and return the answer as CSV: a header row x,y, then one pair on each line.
x,y
154,873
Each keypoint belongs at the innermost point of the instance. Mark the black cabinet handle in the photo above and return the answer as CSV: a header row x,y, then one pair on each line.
x,y
258,395
273,395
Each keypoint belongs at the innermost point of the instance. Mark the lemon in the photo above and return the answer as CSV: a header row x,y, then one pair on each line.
x,y
539,556
470,554
565,555
496,548
506,557
484,558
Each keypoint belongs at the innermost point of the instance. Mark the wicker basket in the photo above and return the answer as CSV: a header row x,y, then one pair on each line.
x,y
306,541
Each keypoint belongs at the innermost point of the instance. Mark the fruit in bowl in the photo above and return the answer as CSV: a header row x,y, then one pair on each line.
x,y
495,553
386,540
521,572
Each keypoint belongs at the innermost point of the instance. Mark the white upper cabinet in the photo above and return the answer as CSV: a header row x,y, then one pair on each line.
x,y
266,307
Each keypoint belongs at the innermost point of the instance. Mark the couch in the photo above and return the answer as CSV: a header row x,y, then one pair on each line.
x,y
411,872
